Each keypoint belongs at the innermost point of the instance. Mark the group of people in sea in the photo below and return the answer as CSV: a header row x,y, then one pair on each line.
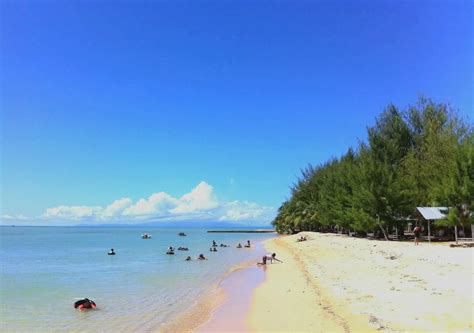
x,y
239,246
86,303
213,248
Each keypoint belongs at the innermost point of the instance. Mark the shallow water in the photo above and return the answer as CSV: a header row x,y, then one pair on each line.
x,y
44,270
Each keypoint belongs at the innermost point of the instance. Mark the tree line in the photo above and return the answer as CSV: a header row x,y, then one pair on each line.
x,y
421,156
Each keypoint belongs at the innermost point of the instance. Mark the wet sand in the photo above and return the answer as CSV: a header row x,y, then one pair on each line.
x,y
225,307
232,314
334,283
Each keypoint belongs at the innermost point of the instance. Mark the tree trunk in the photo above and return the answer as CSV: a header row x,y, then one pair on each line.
x,y
381,228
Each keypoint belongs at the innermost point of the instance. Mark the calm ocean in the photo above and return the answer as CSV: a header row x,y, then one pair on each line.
x,y
44,270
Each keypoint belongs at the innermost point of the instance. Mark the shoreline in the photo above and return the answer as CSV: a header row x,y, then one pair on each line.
x,y
231,315
208,311
344,284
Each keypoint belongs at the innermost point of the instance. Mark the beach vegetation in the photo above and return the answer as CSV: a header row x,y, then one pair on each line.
x,y
421,156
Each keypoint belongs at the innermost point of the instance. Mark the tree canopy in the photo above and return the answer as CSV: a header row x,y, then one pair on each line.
x,y
422,156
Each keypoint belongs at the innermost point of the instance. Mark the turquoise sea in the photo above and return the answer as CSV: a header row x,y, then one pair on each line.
x,y
44,270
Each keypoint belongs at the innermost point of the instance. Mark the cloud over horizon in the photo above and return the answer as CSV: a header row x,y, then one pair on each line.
x,y
200,204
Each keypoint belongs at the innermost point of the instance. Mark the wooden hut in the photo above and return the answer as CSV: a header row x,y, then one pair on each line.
x,y
429,214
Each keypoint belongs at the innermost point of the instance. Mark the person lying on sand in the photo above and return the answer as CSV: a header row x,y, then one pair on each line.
x,y
270,258
301,239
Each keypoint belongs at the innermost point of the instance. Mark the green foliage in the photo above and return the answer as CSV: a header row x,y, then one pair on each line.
x,y
421,157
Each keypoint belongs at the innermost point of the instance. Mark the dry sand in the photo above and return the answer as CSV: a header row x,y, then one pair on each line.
x,y
333,283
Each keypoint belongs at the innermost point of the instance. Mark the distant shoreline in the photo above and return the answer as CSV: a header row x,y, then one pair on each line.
x,y
243,231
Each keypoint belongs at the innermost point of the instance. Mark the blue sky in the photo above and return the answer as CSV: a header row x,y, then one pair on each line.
x,y
103,101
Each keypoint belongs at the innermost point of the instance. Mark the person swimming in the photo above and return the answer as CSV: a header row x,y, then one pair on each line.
x,y
188,258
84,304
111,252
201,257
170,250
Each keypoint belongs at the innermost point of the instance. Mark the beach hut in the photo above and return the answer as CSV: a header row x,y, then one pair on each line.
x,y
430,214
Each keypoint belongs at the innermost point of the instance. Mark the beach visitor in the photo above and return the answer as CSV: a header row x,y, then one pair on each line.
x,y
269,258
417,234
201,257
85,304
301,239
188,258
248,244
239,246
111,252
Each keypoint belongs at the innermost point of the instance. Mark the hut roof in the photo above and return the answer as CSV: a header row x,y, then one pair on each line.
x,y
432,213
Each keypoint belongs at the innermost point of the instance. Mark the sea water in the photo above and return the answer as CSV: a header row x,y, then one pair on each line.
x,y
44,270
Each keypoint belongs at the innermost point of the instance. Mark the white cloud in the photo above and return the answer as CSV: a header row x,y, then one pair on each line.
x,y
156,204
15,217
201,198
116,208
200,203
248,211
71,212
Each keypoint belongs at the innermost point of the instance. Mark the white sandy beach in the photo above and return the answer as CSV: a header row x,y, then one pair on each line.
x,y
333,283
